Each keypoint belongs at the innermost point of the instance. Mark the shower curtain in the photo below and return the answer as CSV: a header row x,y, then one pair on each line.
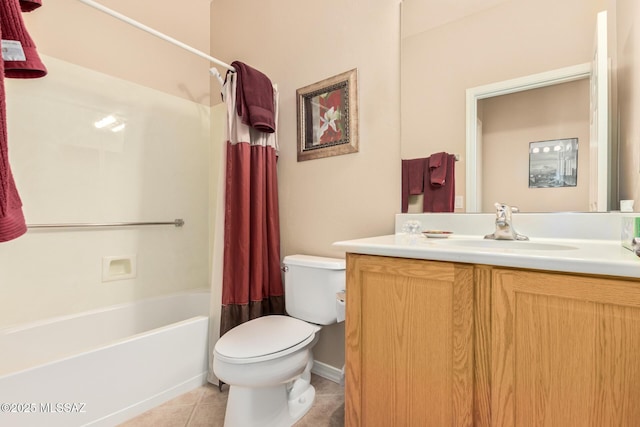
x,y
246,260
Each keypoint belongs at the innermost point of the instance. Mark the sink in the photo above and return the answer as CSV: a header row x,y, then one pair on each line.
x,y
506,244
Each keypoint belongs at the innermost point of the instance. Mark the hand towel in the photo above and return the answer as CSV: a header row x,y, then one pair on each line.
x,y
254,95
413,171
12,224
22,62
29,5
440,198
438,168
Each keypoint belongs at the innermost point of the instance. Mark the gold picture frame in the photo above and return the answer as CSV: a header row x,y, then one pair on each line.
x,y
327,114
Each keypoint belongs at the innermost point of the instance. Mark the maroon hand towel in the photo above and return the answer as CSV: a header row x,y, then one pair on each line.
x,y
413,171
254,98
438,168
12,223
23,62
29,5
441,198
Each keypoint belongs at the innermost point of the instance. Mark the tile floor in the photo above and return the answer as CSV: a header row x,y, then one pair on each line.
x,y
204,407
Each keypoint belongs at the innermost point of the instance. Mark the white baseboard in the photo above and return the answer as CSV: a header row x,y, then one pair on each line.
x,y
327,371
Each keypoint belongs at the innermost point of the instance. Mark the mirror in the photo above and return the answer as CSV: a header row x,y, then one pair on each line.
x,y
518,111
449,51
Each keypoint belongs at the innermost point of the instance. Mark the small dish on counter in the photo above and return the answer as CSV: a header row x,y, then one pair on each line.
x,y
437,234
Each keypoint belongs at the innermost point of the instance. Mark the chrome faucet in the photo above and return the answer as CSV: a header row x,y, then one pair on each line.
x,y
504,224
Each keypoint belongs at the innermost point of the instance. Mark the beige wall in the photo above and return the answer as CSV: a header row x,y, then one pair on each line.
x,y
74,32
512,39
628,61
298,43
510,123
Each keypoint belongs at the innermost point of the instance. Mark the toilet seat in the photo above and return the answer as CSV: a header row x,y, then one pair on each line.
x,y
264,338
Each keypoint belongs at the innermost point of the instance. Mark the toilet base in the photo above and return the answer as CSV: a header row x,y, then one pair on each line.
x,y
271,393
266,406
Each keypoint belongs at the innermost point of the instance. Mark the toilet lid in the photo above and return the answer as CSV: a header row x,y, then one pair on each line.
x,y
263,336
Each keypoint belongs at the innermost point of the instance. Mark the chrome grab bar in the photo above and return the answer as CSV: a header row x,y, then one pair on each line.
x,y
177,223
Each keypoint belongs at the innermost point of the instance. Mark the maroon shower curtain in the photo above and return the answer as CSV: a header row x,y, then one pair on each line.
x,y
252,279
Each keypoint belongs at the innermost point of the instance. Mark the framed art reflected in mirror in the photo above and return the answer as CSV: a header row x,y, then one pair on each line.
x,y
553,163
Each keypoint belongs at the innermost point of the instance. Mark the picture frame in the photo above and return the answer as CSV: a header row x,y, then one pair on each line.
x,y
327,116
553,163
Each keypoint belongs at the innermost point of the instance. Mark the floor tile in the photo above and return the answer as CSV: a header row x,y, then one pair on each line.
x,y
205,407
163,416
327,410
207,415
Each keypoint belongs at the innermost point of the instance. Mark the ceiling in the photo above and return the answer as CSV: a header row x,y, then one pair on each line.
x,y
422,15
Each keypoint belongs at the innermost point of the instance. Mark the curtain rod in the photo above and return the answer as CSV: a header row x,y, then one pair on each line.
x,y
156,33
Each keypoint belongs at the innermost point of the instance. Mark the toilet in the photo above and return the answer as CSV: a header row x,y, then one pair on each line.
x,y
267,361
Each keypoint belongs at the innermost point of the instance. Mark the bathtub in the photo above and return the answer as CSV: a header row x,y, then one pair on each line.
x,y
102,367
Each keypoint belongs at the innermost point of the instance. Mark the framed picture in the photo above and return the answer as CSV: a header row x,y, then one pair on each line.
x,y
553,163
328,117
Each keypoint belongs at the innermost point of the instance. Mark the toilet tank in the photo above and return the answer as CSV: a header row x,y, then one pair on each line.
x,y
311,284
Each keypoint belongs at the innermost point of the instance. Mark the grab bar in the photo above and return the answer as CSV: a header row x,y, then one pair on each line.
x,y
177,223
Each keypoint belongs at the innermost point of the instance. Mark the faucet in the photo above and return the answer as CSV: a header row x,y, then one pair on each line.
x,y
504,224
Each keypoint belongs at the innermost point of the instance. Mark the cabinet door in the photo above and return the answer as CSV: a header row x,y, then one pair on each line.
x,y
409,343
565,350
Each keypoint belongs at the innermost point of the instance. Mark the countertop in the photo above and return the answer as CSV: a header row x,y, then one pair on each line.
x,y
601,257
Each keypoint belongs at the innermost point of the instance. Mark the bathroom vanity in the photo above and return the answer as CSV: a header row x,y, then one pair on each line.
x,y
471,333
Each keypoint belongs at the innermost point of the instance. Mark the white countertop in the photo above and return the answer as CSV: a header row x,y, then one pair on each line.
x,y
590,256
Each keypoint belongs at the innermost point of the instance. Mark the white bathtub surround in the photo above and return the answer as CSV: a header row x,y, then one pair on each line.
x,y
87,147
104,366
219,155
576,242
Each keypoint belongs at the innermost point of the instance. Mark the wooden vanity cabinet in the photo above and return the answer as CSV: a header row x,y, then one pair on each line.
x,y
446,344
565,350
409,338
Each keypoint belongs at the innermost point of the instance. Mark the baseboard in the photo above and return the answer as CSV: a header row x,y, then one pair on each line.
x,y
327,371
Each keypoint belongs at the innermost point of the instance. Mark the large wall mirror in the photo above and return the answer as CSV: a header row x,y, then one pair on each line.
x,y
505,118
476,74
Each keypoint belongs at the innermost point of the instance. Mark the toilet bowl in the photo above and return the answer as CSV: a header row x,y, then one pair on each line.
x,y
267,361
259,371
